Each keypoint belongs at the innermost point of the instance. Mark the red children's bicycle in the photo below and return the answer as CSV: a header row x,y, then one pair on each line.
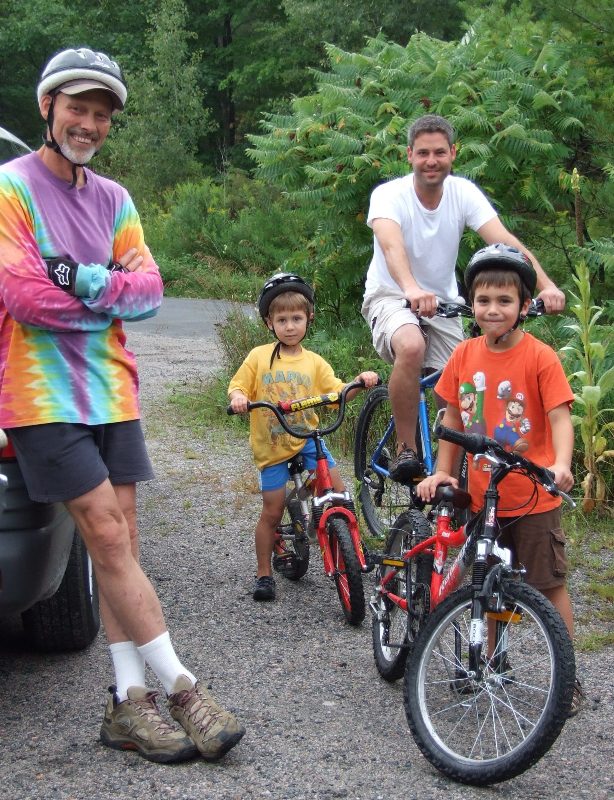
x,y
488,666
314,511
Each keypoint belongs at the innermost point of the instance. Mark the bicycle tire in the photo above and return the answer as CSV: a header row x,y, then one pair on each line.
x,y
291,555
381,499
487,731
348,574
393,631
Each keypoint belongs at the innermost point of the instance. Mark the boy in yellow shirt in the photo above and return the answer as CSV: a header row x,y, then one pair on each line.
x,y
282,371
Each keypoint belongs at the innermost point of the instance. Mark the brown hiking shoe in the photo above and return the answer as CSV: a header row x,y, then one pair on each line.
x,y
211,728
136,724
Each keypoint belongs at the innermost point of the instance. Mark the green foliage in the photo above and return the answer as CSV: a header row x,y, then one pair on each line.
x,y
207,276
513,96
593,382
590,544
237,220
155,142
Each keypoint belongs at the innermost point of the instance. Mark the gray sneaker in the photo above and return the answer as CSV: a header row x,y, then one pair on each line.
x,y
136,724
211,728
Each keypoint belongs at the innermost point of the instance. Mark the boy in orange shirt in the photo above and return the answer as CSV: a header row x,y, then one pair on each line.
x,y
524,401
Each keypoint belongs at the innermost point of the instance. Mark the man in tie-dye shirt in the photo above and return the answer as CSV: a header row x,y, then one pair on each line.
x,y
73,266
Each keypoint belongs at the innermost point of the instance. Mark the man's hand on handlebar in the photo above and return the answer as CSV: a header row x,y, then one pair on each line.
x,y
421,302
553,299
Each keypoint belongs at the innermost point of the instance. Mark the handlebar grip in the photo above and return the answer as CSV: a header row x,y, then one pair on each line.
x,y
231,413
471,442
536,308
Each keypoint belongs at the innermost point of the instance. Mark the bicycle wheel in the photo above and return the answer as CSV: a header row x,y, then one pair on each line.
x,y
348,575
291,550
393,630
381,499
488,730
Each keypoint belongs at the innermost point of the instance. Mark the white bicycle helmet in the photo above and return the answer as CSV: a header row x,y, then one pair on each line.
x,y
74,71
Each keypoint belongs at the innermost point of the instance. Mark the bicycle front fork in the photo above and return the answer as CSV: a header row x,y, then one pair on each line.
x,y
487,602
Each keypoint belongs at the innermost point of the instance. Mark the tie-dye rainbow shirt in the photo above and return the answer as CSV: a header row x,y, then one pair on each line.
x,y
63,358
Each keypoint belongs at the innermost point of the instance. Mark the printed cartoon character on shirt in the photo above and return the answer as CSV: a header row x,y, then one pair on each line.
x,y
280,385
471,403
510,432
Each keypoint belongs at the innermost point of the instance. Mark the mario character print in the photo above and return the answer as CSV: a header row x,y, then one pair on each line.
x,y
511,430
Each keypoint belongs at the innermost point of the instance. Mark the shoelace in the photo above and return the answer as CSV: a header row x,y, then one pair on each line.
x,y
147,708
202,709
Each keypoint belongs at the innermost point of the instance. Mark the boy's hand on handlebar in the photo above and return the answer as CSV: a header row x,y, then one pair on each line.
x,y
370,379
563,476
553,299
426,489
238,402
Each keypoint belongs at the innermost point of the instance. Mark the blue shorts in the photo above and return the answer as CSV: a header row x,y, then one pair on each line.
x,y
278,475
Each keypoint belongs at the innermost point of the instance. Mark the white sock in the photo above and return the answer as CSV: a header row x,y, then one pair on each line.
x,y
161,657
129,667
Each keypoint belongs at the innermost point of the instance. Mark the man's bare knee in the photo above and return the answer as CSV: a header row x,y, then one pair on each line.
x,y
408,347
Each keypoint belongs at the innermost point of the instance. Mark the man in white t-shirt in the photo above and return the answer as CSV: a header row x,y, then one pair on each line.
x,y
418,221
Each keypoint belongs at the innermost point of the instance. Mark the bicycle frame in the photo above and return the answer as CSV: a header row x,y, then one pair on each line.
x,y
441,584
476,545
428,382
321,487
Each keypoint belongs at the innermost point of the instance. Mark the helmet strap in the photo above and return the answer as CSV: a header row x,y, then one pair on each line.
x,y
51,143
277,348
275,352
504,336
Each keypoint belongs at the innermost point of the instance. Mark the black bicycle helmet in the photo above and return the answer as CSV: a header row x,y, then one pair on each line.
x,y
74,71
278,284
501,257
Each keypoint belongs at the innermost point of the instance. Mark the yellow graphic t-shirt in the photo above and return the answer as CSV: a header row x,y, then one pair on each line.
x,y
289,378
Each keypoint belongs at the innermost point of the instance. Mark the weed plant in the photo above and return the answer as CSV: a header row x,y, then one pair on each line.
x,y
199,276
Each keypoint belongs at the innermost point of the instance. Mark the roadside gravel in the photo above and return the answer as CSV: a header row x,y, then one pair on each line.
x,y
320,723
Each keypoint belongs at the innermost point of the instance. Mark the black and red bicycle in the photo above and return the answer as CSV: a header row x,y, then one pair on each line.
x,y
314,511
488,666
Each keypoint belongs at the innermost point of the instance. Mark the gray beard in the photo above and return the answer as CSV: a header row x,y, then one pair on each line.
x,y
82,157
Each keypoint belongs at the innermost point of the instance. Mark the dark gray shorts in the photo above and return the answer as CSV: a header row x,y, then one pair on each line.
x,y
61,461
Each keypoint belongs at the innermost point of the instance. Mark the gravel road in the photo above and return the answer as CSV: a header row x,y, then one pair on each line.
x,y
320,723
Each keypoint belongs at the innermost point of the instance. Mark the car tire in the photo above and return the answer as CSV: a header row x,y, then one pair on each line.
x,y
69,619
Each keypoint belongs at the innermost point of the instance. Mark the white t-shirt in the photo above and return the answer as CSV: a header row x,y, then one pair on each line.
x,y
432,237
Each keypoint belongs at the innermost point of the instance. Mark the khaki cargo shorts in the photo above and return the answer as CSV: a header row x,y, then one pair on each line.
x,y
385,312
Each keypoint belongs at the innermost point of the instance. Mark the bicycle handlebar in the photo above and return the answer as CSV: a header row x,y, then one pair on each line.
x,y
284,407
450,310
478,444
